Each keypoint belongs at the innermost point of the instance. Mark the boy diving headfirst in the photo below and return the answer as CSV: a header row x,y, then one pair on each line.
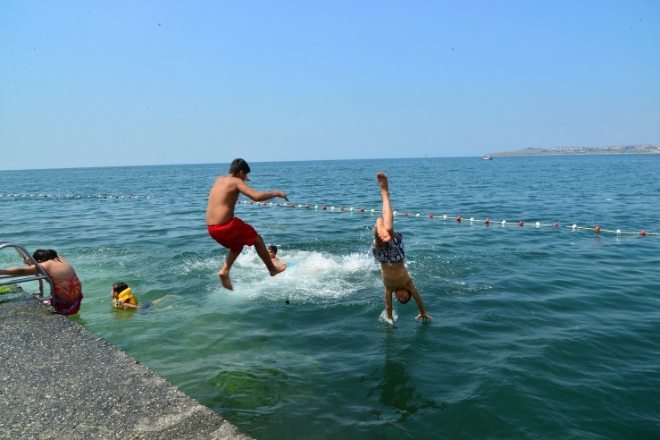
x,y
388,250
231,232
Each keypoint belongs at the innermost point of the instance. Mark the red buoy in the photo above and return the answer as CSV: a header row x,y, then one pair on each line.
x,y
597,229
431,215
555,225
643,233
361,209
521,223
487,222
458,219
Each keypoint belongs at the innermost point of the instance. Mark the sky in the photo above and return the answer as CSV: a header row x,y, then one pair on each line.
x,y
111,83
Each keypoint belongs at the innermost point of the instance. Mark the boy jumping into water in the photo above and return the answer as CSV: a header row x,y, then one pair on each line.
x,y
388,250
231,232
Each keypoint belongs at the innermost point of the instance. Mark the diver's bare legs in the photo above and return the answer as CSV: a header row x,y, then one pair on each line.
x,y
385,227
262,251
226,267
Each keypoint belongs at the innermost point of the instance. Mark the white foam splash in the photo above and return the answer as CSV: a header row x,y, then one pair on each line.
x,y
310,276
383,317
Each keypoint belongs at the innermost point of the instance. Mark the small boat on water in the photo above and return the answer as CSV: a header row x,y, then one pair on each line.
x,y
486,157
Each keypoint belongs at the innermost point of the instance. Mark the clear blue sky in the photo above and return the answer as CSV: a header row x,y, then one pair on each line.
x,y
95,83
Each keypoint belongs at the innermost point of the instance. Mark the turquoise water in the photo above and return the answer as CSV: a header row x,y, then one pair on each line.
x,y
536,333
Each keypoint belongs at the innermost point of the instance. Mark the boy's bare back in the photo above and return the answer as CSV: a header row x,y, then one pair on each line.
x,y
222,200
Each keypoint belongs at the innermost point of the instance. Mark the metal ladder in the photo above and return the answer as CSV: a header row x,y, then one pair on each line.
x,y
41,276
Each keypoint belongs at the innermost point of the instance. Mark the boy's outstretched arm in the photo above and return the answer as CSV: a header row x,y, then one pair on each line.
x,y
388,305
16,271
420,304
259,196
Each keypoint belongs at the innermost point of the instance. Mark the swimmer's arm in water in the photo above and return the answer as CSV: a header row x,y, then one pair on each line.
x,y
420,304
388,305
128,306
125,305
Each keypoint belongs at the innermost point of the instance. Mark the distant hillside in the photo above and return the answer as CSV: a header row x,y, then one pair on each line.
x,y
558,151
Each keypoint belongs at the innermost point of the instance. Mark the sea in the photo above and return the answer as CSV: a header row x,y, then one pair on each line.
x,y
546,318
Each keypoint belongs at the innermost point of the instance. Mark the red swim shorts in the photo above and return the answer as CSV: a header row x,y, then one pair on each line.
x,y
66,309
234,234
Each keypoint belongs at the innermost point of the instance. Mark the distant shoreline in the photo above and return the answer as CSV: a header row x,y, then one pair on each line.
x,y
581,151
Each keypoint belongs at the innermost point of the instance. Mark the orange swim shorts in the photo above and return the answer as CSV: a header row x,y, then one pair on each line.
x,y
234,234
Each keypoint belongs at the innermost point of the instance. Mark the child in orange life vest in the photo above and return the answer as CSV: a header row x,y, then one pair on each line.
x,y
122,296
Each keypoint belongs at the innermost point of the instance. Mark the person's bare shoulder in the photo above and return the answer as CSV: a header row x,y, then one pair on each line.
x,y
224,184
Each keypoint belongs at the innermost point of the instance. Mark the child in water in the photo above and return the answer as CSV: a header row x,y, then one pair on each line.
x,y
388,250
272,251
122,296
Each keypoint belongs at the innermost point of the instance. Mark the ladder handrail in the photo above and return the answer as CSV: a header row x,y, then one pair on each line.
x,y
27,258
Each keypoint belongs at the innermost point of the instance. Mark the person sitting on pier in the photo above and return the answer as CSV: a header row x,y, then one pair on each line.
x,y
66,287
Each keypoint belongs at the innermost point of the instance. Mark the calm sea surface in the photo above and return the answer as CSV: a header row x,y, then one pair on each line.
x,y
537,332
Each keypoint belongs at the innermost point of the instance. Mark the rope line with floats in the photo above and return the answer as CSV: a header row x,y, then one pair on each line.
x,y
458,218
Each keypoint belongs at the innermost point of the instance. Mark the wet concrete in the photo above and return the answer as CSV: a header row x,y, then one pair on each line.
x,y
60,381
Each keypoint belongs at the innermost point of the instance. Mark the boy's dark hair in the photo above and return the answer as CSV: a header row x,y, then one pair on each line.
x,y
119,286
409,297
239,165
273,249
41,255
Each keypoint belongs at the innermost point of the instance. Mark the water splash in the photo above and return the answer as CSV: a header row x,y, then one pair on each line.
x,y
311,277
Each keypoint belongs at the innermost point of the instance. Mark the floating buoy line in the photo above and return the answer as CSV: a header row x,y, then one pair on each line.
x,y
460,219
74,196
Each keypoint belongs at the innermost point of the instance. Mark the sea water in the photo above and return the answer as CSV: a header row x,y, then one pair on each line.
x,y
537,332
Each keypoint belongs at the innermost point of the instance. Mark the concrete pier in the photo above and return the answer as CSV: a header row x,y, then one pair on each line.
x,y
60,381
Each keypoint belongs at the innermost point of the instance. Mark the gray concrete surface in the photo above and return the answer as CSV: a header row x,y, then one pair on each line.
x,y
60,381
